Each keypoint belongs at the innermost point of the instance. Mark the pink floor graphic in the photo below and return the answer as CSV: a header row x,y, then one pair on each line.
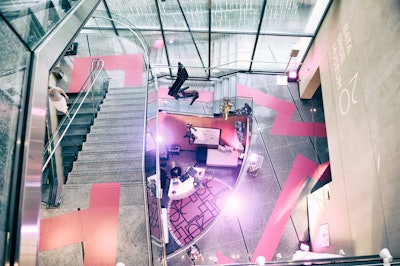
x,y
283,124
301,169
190,216
97,226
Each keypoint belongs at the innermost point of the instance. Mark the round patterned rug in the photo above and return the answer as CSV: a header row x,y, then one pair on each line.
x,y
188,217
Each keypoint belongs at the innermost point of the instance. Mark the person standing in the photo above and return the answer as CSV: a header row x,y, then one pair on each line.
x,y
59,99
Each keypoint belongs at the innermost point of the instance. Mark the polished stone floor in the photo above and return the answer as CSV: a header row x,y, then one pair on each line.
x,y
236,238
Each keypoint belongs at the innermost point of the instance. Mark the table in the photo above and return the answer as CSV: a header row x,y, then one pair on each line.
x,y
216,157
179,190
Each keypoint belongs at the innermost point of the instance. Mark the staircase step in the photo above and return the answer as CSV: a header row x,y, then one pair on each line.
x,y
127,107
118,122
70,150
109,156
76,130
72,140
127,115
117,167
124,100
115,136
83,119
112,146
104,127
109,177
131,94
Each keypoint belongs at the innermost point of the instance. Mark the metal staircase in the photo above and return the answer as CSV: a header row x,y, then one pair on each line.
x,y
112,150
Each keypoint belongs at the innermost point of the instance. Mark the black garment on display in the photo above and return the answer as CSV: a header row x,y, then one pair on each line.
x,y
182,77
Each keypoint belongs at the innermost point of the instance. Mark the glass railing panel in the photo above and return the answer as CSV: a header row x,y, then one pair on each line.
x,y
135,37
152,174
183,107
87,100
33,20
207,109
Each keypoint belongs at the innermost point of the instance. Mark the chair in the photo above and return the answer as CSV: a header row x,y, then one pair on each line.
x,y
176,172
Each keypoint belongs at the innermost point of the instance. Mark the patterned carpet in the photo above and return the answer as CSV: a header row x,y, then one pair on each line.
x,y
190,216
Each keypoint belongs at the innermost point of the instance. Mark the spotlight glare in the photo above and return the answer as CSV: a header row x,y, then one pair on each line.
x,y
292,75
232,205
304,246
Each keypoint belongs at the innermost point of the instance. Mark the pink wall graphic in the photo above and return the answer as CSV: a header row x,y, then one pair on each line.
x,y
131,63
97,226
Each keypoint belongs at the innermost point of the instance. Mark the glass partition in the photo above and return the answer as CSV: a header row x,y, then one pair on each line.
x,y
60,146
33,20
153,178
206,109
14,71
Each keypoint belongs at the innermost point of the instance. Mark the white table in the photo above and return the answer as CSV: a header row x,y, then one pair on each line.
x,y
216,157
180,190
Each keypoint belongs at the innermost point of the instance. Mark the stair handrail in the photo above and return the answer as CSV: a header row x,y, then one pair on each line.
x,y
234,69
98,66
137,33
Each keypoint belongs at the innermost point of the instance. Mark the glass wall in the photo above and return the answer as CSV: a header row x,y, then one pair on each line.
x,y
14,71
33,20
24,26
254,35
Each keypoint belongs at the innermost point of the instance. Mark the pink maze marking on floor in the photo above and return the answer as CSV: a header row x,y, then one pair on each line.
x,y
301,169
132,64
190,216
97,226
283,124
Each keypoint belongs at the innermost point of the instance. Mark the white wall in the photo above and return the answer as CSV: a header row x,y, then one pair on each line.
x,y
358,57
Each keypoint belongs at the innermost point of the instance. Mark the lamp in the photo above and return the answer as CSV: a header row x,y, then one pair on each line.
x,y
292,75
386,256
